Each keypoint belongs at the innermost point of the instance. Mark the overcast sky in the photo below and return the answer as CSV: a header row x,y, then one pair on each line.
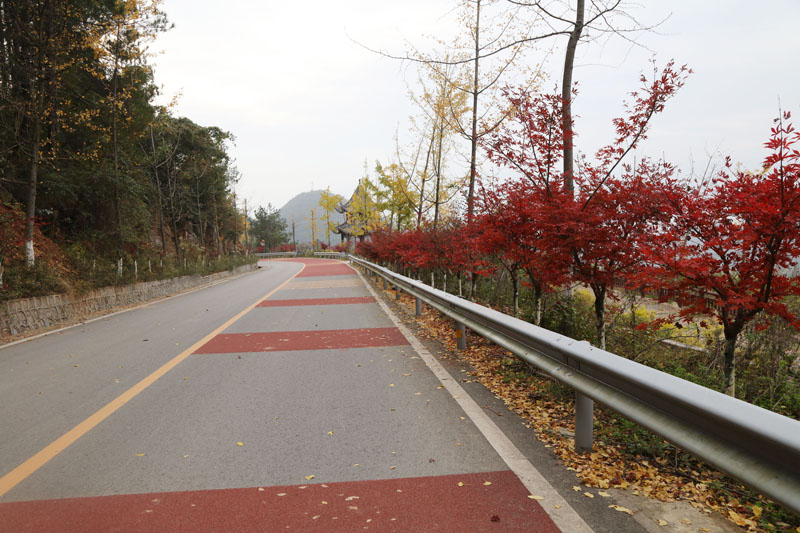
x,y
307,105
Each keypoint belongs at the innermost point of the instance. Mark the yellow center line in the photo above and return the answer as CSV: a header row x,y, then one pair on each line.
x,y
20,473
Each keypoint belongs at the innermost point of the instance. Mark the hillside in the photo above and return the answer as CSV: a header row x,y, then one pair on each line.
x,y
299,209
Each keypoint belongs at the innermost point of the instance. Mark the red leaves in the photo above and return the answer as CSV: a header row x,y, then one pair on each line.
x,y
737,239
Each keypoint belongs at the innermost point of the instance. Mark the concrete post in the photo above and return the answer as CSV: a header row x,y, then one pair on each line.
x,y
461,336
418,305
584,423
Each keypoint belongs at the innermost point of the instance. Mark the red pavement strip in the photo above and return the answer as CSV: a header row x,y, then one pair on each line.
x,y
329,269
318,301
280,341
408,504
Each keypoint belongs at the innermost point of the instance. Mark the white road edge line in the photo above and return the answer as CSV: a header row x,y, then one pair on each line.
x,y
113,313
565,516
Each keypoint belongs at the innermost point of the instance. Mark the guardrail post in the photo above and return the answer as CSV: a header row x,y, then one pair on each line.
x,y
584,423
384,283
396,292
461,336
418,305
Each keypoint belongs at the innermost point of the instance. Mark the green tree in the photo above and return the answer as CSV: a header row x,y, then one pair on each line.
x,y
269,226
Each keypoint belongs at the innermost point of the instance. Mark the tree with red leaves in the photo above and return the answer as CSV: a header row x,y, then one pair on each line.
x,y
730,245
597,231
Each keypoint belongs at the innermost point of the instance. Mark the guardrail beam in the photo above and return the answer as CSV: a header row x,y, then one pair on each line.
x,y
760,447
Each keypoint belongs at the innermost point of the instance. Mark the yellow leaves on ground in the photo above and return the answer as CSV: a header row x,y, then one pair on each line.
x,y
487,483
309,478
460,483
662,522
609,466
533,497
330,432
240,443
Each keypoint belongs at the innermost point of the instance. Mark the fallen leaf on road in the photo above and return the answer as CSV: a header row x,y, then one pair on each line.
x,y
139,455
391,384
312,476
532,497
662,522
260,489
281,494
460,484
576,488
351,498
604,494
240,443
392,467
487,483
588,494
621,509
557,506
324,502
330,433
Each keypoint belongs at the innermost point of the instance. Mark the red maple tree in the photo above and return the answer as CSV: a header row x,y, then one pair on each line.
x,y
730,245
597,230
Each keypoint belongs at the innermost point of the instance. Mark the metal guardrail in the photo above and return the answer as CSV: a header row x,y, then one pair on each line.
x,y
268,255
759,447
332,255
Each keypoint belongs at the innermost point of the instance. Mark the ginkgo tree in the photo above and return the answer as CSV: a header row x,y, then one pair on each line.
x,y
328,202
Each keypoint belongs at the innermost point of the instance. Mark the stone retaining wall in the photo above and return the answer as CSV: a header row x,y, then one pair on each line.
x,y
29,314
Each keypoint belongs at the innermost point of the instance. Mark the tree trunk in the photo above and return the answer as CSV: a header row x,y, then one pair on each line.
x,y
160,199
438,177
425,176
730,361
566,96
474,137
600,312
515,293
30,211
115,147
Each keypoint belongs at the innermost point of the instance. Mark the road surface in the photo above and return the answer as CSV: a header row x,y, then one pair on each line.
x,y
286,399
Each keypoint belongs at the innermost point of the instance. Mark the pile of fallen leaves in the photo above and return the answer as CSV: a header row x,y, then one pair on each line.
x,y
610,465
12,236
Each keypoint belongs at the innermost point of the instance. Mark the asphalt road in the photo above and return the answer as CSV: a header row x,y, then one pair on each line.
x,y
282,399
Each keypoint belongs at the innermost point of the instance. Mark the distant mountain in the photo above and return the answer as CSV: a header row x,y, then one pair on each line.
x,y
299,209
